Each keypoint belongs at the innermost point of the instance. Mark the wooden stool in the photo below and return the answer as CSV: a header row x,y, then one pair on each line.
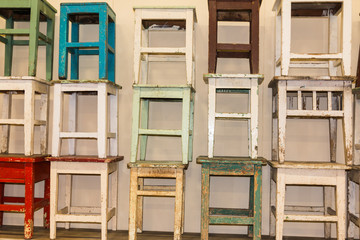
x,y
106,128
237,11
143,94
80,165
163,19
313,174
30,87
87,13
231,166
141,170
336,91
234,83
34,12
28,170
285,59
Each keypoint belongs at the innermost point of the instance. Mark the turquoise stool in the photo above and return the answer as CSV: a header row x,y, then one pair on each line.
x,y
87,13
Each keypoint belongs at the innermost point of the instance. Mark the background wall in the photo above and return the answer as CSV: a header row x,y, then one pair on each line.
x,y
306,140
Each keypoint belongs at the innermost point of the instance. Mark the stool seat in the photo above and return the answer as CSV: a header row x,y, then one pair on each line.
x,y
85,159
27,170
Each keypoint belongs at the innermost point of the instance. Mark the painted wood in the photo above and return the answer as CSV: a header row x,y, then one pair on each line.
x,y
145,20
143,94
31,86
27,170
241,11
140,171
13,11
314,8
106,129
87,13
77,165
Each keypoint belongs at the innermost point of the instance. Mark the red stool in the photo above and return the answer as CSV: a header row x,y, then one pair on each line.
x,y
26,170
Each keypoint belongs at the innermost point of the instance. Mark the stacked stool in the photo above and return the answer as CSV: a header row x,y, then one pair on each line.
x,y
305,97
246,166
105,163
160,19
27,168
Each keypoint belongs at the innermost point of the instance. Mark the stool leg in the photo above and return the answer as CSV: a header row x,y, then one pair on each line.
x,y
205,195
54,181
103,39
183,208
43,128
341,204
102,120
346,43
50,48
281,108
144,65
6,113
72,116
137,46
104,202
251,206
178,203
140,205
191,137
29,112
68,196
185,126
63,39
135,125
257,202
351,206
254,99
9,46
144,121
212,36
34,36
280,204
211,119
285,36
327,204
272,203
74,69
189,55
47,207
114,200
333,35
111,55
133,203
277,44
29,200
2,194
254,37
347,125
114,124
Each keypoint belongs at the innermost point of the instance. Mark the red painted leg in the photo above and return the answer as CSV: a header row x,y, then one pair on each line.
x,y
2,193
47,207
29,200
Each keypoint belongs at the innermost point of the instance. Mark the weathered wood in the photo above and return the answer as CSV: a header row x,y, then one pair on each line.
x,y
76,165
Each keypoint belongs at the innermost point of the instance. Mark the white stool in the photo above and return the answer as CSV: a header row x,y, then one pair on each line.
x,y
30,87
234,83
313,174
106,128
285,59
163,19
76,165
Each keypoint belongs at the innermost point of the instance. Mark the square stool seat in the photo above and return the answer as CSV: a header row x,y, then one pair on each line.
x,y
84,165
34,12
231,166
80,14
27,170
234,11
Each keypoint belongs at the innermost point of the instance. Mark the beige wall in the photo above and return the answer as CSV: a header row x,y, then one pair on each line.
x,y
307,140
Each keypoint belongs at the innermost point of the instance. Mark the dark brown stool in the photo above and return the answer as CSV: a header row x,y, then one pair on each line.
x,y
240,11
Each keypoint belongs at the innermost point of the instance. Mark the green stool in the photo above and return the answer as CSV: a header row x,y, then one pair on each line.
x,y
231,166
143,94
33,11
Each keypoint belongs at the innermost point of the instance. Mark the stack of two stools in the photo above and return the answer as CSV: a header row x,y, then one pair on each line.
x,y
26,168
105,163
166,20
308,97
246,166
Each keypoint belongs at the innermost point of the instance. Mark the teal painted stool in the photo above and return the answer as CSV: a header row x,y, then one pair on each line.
x,y
143,94
231,166
33,11
87,13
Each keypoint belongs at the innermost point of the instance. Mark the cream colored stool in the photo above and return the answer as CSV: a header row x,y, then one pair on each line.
x,y
163,19
30,87
79,165
107,115
285,59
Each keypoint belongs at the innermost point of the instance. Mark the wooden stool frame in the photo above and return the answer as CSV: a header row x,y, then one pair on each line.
x,y
230,83
30,87
141,170
80,165
231,166
27,170
87,13
313,8
105,91
33,11
160,19
145,93
237,11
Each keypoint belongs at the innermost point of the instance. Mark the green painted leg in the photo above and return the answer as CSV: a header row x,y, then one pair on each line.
x,y
185,126
251,205
9,48
205,195
257,199
191,137
34,36
135,125
144,120
50,48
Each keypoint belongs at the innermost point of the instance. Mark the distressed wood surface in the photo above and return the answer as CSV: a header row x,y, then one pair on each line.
x,y
85,159
21,169
87,13
353,183
357,84
138,190
88,214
